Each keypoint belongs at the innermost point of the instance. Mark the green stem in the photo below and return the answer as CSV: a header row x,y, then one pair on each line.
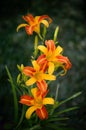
x,y
41,37
44,32
14,95
35,46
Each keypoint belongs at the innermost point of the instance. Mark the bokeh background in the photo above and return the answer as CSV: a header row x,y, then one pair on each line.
x,y
16,48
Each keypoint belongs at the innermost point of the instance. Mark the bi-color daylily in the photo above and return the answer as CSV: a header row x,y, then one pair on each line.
x,y
52,57
37,75
33,23
36,103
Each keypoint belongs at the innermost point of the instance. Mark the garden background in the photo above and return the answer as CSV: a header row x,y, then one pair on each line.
x,y
16,48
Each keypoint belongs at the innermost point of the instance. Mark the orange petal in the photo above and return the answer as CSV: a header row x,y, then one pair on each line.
x,y
26,100
42,113
29,29
50,45
44,17
65,61
29,18
28,71
42,85
41,59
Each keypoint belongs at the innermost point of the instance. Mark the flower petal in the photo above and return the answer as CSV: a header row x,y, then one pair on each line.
x,y
28,71
65,70
45,22
35,65
29,18
42,113
41,18
50,45
51,68
48,101
30,111
65,61
48,77
30,81
58,50
41,59
42,48
29,29
42,85
21,25
26,100
34,92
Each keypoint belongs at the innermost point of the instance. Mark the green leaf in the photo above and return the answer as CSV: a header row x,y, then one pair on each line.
x,y
66,110
14,94
68,99
57,119
22,116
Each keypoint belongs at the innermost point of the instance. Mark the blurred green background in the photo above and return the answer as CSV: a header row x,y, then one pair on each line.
x,y
16,48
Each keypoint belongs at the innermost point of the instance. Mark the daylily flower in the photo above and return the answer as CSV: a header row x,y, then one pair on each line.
x,y
33,23
37,75
52,57
36,103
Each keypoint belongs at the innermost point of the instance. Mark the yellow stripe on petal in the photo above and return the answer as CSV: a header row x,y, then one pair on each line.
x,y
48,77
48,101
42,48
20,26
58,50
45,22
30,111
51,68
30,81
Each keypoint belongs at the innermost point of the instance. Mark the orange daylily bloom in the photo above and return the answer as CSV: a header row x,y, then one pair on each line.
x,y
33,23
52,57
36,103
37,75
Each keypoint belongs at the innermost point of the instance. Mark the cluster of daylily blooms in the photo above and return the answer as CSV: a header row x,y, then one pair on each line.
x,y
46,60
